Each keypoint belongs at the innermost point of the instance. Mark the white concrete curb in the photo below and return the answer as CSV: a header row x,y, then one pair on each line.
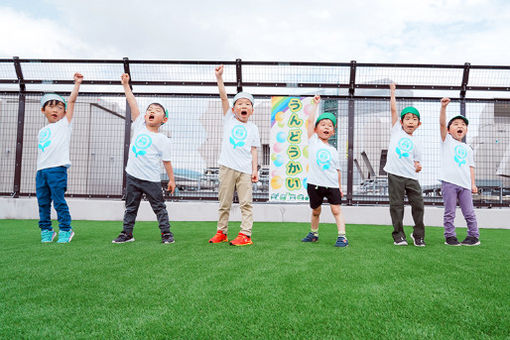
x,y
113,210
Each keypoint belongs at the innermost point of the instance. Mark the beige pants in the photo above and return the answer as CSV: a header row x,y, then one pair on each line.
x,y
231,179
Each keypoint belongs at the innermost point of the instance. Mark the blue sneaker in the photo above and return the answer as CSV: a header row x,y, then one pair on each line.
x,y
47,236
310,238
65,236
341,242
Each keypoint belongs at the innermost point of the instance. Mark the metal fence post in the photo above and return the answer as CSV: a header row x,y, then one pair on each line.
x,y
127,130
350,134
239,75
465,80
21,127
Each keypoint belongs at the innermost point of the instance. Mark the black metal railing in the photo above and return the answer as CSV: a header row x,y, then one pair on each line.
x,y
356,92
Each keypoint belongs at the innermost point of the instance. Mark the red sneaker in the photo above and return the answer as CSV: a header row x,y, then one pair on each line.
x,y
241,240
219,237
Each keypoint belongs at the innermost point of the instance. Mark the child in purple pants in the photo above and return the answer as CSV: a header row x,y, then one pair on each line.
x,y
457,177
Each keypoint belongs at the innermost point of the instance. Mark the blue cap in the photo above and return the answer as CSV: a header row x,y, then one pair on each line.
x,y
243,95
52,96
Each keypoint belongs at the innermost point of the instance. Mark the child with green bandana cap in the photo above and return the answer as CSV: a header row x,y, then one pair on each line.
x,y
457,176
402,166
324,178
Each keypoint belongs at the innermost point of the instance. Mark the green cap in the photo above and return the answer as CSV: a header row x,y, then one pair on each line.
x,y
458,117
326,115
409,109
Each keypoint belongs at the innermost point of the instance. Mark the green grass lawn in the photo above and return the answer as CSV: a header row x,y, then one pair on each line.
x,y
277,288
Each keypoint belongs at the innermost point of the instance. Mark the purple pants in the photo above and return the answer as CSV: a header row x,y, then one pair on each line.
x,y
452,193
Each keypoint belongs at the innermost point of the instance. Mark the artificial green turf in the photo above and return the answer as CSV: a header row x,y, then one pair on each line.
x,y
277,288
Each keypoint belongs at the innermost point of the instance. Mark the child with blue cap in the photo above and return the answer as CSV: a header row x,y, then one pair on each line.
x,y
402,166
324,177
53,161
238,163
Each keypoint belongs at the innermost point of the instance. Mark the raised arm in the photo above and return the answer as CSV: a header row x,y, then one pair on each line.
x,y
393,104
442,118
312,116
130,97
78,78
218,71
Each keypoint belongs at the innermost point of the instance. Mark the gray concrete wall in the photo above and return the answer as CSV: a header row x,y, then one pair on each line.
x,y
93,209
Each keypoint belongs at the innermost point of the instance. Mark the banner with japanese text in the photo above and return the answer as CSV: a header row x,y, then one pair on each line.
x,y
289,149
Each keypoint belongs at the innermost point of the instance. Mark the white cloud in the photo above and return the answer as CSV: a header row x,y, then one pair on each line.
x,y
30,37
433,31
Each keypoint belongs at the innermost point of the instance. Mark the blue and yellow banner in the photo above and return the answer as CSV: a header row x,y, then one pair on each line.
x,y
289,148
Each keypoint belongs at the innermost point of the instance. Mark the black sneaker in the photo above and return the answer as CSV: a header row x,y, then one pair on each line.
x,y
400,241
123,238
418,242
452,241
167,238
470,241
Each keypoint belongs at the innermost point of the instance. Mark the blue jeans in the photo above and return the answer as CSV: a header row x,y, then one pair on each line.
x,y
51,184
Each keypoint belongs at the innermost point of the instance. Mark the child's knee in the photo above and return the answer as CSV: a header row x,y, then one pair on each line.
x,y
316,211
336,210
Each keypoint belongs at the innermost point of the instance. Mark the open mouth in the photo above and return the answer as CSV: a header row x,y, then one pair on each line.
x,y
244,113
459,131
54,115
151,117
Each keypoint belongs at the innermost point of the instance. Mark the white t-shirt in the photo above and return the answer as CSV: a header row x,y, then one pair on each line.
x,y
456,159
402,153
146,152
238,139
323,163
53,147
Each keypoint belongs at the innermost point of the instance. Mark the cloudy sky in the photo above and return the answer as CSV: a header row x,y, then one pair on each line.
x,y
428,31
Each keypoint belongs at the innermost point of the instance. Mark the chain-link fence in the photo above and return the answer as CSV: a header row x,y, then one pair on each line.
x,y
357,93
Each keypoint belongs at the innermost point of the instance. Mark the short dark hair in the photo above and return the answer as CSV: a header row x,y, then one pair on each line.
x,y
54,102
455,118
160,105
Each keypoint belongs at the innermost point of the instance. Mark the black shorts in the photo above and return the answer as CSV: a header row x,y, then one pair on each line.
x,y
317,193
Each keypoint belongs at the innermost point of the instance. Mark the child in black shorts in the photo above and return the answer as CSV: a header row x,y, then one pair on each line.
x,y
324,179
